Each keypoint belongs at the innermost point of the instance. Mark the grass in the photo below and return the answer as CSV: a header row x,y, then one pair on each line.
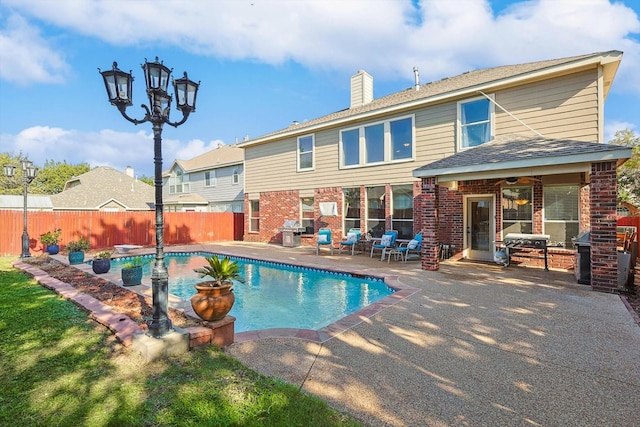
x,y
59,368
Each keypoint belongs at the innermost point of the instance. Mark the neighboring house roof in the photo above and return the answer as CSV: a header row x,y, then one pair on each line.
x,y
464,84
223,156
534,156
34,202
186,199
104,186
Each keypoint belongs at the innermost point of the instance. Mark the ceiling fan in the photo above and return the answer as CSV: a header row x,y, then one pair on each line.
x,y
517,180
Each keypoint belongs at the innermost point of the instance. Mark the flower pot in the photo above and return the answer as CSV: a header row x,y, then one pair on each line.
x,y
131,276
101,265
52,249
76,257
211,303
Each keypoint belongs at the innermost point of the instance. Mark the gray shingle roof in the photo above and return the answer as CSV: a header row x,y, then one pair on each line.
x,y
225,155
103,185
443,87
518,152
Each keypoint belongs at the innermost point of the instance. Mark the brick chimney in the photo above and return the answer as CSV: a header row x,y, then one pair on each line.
x,y
361,89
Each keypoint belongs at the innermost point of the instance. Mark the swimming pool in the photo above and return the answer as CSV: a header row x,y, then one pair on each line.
x,y
276,295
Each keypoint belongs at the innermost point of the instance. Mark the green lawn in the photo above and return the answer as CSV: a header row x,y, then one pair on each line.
x,y
58,368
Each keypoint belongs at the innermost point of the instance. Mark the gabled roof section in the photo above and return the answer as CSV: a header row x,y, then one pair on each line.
x,y
461,85
525,154
102,185
223,156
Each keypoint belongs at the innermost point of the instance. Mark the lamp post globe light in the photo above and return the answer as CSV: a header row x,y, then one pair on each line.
x,y
119,85
29,172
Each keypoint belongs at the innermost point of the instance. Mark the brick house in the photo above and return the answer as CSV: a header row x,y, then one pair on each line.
x,y
463,160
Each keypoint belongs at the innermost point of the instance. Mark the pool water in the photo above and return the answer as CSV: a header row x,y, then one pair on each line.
x,y
276,295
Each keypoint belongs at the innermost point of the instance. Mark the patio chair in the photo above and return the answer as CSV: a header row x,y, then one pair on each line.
x,y
387,242
413,246
324,238
351,241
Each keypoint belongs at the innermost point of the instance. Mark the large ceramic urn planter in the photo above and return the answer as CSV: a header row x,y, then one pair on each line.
x,y
76,257
213,303
131,276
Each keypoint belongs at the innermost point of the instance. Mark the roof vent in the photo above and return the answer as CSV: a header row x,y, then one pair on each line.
x,y
416,74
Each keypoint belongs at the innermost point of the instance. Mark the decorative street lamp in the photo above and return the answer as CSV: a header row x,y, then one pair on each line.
x,y
119,85
29,172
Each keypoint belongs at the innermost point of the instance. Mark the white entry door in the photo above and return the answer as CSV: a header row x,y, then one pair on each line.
x,y
480,227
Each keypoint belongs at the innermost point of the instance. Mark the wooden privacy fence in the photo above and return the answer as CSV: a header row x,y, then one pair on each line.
x,y
105,229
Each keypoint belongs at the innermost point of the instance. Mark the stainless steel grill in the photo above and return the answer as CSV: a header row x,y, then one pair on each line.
x,y
291,231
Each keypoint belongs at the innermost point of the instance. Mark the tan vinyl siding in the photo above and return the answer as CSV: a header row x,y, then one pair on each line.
x,y
565,107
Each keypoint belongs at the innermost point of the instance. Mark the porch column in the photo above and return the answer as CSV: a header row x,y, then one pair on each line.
x,y
604,256
429,220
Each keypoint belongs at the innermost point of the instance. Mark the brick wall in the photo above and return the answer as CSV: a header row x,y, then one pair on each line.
x,y
429,218
604,257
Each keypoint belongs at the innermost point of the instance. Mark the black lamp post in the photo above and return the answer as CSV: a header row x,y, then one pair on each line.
x,y
118,85
29,172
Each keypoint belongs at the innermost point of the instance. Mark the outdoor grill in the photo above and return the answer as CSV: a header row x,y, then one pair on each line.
x,y
515,242
291,231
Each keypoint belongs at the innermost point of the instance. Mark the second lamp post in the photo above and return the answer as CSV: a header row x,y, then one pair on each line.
x,y
29,172
118,85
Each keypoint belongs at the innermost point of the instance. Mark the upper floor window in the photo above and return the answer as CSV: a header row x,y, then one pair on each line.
x,y
210,178
305,152
387,141
236,176
178,183
475,122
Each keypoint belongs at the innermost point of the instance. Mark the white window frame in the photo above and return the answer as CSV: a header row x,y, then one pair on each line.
x,y
492,120
213,181
502,207
300,153
252,217
235,176
184,186
302,211
362,146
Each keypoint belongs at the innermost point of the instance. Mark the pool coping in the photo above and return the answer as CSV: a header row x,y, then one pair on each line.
x,y
320,335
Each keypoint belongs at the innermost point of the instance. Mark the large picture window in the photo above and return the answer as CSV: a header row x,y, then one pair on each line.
x,y
351,208
402,210
561,213
306,209
387,141
517,210
254,215
305,152
474,122
376,219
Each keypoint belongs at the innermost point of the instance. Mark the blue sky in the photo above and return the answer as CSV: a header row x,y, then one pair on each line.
x,y
265,63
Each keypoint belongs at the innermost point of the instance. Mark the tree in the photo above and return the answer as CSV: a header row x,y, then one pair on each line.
x,y
50,179
147,180
629,172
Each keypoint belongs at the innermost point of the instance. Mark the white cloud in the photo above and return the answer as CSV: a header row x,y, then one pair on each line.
x,y
104,148
387,38
26,56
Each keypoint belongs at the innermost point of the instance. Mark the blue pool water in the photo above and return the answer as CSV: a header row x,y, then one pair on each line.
x,y
276,295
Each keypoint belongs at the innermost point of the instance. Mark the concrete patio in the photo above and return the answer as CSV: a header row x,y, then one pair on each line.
x,y
478,345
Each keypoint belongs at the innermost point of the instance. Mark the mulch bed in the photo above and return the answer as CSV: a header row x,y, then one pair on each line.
x,y
120,299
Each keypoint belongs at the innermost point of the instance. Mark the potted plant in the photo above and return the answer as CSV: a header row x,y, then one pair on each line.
x,y
76,250
50,240
102,262
131,272
215,297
